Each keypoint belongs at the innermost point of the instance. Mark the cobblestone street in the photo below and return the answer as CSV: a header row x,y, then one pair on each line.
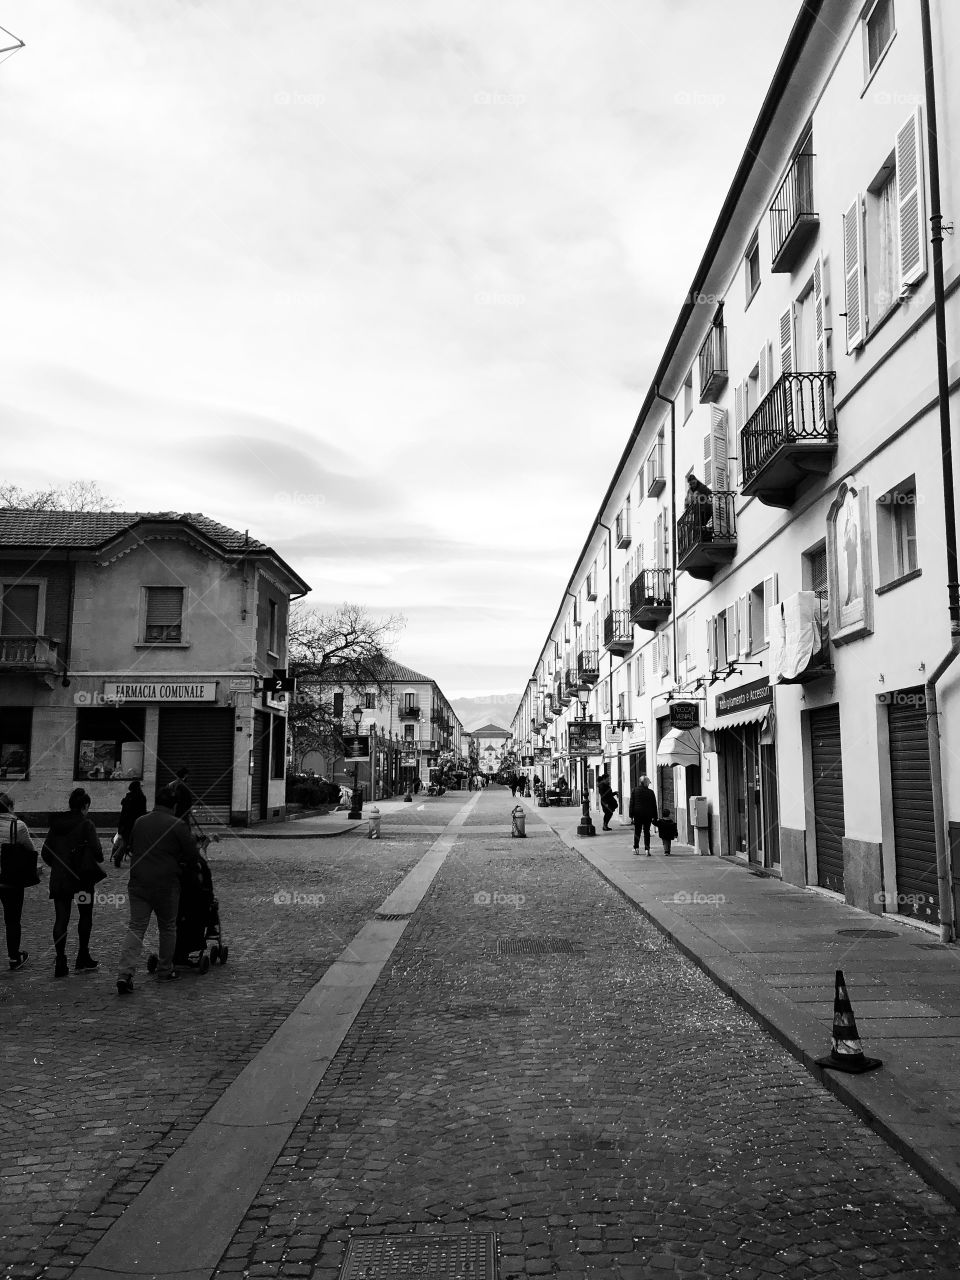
x,y
535,1060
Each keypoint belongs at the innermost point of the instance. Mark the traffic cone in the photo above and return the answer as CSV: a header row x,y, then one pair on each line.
x,y
847,1052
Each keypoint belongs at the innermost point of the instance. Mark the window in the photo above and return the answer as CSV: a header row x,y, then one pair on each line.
x,y
20,612
691,635
878,32
272,628
109,744
897,532
751,267
408,732
882,253
16,724
164,615
370,701
278,747
682,639
762,598
640,674
338,705
815,570
688,395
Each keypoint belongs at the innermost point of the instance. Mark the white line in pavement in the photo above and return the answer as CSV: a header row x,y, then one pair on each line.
x,y
187,1214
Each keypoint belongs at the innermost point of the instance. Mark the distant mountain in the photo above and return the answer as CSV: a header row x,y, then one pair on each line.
x,y
492,708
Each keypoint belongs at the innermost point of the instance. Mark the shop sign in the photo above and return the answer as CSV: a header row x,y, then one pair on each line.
x,y
542,753
409,758
356,747
527,761
160,691
614,734
585,738
757,694
684,715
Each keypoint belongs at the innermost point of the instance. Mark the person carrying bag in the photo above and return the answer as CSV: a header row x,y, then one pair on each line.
x,y
72,852
18,871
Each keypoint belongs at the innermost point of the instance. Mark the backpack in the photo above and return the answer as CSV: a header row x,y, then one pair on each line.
x,y
18,865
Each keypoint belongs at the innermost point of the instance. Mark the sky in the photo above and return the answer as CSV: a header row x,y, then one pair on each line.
x,y
383,282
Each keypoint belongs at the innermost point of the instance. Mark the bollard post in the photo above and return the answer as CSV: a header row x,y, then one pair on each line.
x,y
519,823
373,823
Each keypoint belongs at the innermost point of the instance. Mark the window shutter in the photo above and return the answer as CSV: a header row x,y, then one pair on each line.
x,y
853,273
786,341
681,639
763,371
739,405
641,680
708,460
910,228
718,435
664,653
658,556
744,626
712,643
692,639
820,327
769,599
164,606
733,647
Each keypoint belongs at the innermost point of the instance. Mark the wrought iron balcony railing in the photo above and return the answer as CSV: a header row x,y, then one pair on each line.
x,y
792,434
793,219
571,682
618,631
409,713
713,363
651,598
707,535
588,667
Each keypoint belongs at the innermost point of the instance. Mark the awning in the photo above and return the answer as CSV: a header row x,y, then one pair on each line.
x,y
679,746
749,715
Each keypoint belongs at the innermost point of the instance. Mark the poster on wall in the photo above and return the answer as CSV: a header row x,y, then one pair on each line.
x,y
849,572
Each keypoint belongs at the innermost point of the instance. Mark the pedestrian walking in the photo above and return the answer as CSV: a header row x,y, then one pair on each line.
x,y
160,845
608,799
514,781
184,798
73,853
643,812
18,871
132,806
667,830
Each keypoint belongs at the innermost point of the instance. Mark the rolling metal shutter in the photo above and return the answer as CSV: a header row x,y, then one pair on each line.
x,y
261,760
201,740
828,796
913,813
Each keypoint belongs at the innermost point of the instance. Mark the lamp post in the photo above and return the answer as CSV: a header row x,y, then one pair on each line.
x,y
356,800
586,827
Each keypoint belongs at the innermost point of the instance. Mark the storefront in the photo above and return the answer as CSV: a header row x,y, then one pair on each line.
x,y
678,761
743,732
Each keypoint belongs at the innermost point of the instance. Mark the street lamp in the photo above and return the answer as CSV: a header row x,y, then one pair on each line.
x,y
586,827
356,800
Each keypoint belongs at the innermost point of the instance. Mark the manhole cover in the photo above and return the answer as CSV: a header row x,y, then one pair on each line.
x,y
867,935
397,915
537,947
447,1257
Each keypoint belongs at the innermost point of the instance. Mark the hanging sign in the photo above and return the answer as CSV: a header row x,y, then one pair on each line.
x,y
356,747
684,715
614,734
584,738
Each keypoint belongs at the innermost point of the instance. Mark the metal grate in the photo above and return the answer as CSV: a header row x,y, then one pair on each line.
x,y
396,915
867,935
443,1257
538,947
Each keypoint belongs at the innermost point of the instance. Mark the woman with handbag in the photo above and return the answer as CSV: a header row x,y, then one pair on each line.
x,y
18,870
132,806
72,852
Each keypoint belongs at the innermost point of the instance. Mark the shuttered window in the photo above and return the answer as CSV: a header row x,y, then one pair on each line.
x,y
20,609
716,473
785,334
853,273
910,219
692,657
164,615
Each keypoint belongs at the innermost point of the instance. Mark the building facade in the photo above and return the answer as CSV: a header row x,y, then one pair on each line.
x,y
492,743
411,726
773,549
132,645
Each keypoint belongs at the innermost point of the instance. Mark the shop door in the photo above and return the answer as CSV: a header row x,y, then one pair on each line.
x,y
638,767
665,791
829,826
261,763
913,812
201,740
733,795
770,807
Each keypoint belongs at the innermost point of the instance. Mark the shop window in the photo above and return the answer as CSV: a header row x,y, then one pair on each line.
x,y
15,733
109,744
163,615
897,532
278,747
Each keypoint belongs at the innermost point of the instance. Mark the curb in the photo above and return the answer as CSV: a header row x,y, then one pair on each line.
x,y
868,1098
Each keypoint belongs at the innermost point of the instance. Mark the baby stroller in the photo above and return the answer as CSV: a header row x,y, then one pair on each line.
x,y
198,922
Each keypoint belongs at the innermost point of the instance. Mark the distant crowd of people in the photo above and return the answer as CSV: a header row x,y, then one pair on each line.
x,y
160,845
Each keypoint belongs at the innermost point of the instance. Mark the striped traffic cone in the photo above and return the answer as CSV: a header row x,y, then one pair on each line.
x,y
847,1052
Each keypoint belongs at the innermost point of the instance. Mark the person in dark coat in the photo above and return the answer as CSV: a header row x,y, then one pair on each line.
x,y
13,831
183,796
132,806
643,811
699,499
161,843
608,799
667,830
72,851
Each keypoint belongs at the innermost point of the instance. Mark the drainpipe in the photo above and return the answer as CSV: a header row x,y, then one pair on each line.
x,y
610,598
68,632
673,527
947,924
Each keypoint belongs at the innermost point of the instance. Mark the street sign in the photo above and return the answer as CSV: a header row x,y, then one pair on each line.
x,y
279,684
684,715
356,747
584,738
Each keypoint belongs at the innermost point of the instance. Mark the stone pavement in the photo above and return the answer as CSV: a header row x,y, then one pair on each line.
x,y
534,1059
775,948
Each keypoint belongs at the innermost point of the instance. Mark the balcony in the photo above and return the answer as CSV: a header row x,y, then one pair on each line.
x,y
622,529
707,535
588,668
650,598
571,683
713,364
561,698
792,435
409,713
591,587
28,653
618,632
793,220
656,480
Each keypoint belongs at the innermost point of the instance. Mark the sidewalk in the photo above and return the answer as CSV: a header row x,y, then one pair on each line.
x,y
774,948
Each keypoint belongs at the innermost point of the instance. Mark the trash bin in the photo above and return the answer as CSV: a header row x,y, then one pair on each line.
x,y
373,823
519,822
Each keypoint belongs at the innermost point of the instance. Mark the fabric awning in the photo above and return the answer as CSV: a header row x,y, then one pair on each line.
x,y
749,715
679,746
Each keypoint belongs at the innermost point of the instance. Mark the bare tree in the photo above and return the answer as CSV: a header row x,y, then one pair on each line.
x,y
346,649
78,495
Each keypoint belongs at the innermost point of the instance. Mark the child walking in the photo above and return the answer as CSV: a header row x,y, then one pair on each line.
x,y
667,830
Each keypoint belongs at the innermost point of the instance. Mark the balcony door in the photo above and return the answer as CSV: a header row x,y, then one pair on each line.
x,y
805,332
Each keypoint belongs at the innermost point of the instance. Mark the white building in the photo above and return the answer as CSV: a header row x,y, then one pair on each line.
x,y
803,605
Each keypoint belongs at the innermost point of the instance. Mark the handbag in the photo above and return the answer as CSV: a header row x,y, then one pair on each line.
x,y
85,865
118,849
18,865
